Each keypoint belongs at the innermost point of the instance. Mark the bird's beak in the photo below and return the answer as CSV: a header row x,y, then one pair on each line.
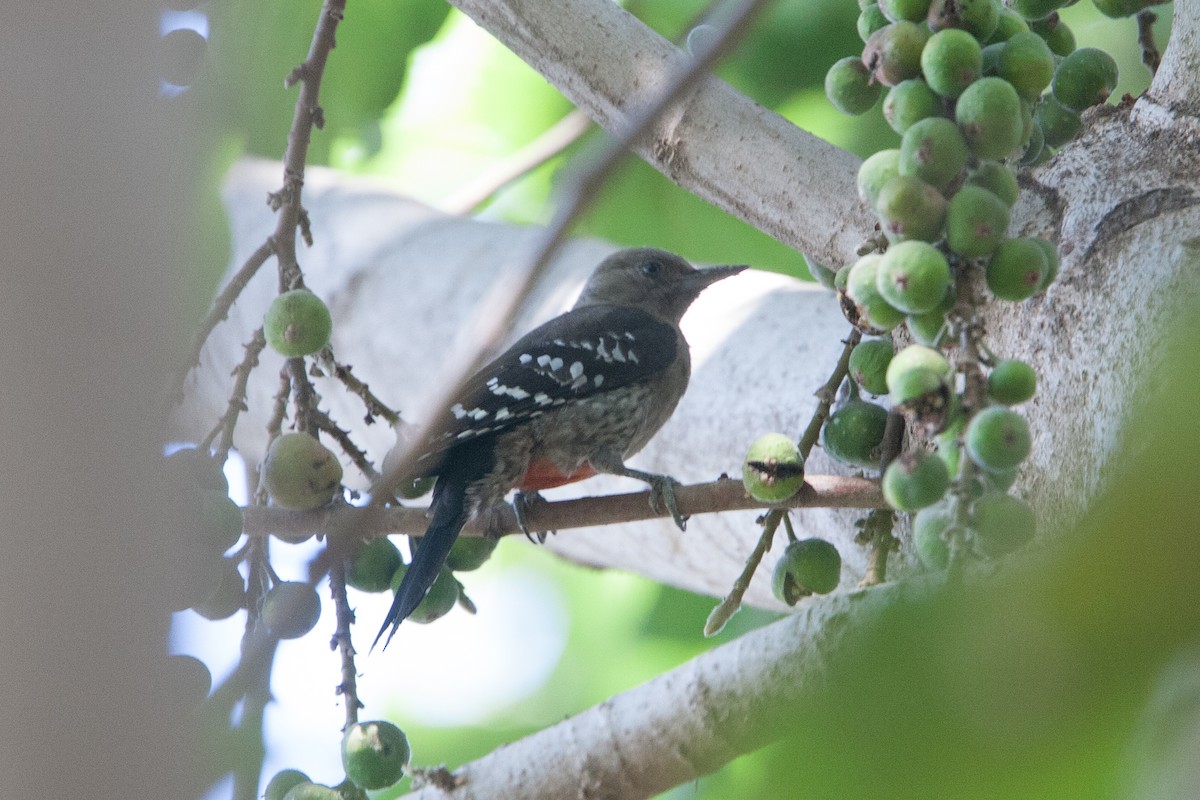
x,y
701,279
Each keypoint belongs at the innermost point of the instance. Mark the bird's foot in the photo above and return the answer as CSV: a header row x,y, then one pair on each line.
x,y
522,503
662,496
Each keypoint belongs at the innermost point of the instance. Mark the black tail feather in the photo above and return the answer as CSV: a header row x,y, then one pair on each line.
x,y
449,516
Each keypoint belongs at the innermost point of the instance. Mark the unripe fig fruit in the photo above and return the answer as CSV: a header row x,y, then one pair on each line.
x,y
893,54
1051,254
300,473
869,362
870,20
1007,24
221,520
853,433
470,553
998,439
291,609
374,754
372,569
914,385
283,782
1056,34
919,357
807,566
913,277
911,10
929,529
1036,152
927,328
850,88
934,151
998,179
977,17
189,468
1011,382
874,172
227,596
1059,124
872,312
909,208
1016,270
187,680
951,61
773,470
312,791
989,114
1035,9
438,601
1085,78
1123,8
297,323
820,273
976,222
183,52
907,103
1001,523
914,481
1027,63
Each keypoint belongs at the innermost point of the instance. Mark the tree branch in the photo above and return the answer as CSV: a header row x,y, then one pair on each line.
x,y
725,494
679,726
715,143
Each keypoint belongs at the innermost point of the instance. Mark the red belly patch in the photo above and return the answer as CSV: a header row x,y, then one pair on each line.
x,y
544,475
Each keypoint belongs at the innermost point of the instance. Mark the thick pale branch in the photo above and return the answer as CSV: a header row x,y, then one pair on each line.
x,y
1176,85
717,143
726,494
683,724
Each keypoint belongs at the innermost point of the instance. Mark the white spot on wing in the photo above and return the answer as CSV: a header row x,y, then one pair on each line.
x,y
556,364
617,354
542,399
543,360
457,411
524,358
599,379
577,369
633,359
502,413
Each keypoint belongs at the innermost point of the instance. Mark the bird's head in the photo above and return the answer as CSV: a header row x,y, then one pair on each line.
x,y
661,283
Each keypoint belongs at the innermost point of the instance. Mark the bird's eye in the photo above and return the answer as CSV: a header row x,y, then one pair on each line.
x,y
651,268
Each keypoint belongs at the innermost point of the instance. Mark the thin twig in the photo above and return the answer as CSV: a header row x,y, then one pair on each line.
x,y
323,422
827,394
877,533
546,146
375,406
237,399
733,601
341,642
218,312
1151,56
248,734
304,394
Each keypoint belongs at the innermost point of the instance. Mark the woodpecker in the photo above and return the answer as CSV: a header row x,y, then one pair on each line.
x,y
572,398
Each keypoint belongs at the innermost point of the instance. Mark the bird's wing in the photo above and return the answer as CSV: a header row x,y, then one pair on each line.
x,y
584,352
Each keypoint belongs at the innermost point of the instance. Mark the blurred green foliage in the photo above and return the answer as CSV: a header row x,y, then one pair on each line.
x,y
1028,688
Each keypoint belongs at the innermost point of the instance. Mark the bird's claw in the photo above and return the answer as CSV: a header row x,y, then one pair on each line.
x,y
521,504
662,497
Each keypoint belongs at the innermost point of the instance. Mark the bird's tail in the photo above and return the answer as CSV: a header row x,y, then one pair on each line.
x,y
449,515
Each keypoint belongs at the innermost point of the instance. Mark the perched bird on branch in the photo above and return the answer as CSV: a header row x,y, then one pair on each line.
x,y
574,397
